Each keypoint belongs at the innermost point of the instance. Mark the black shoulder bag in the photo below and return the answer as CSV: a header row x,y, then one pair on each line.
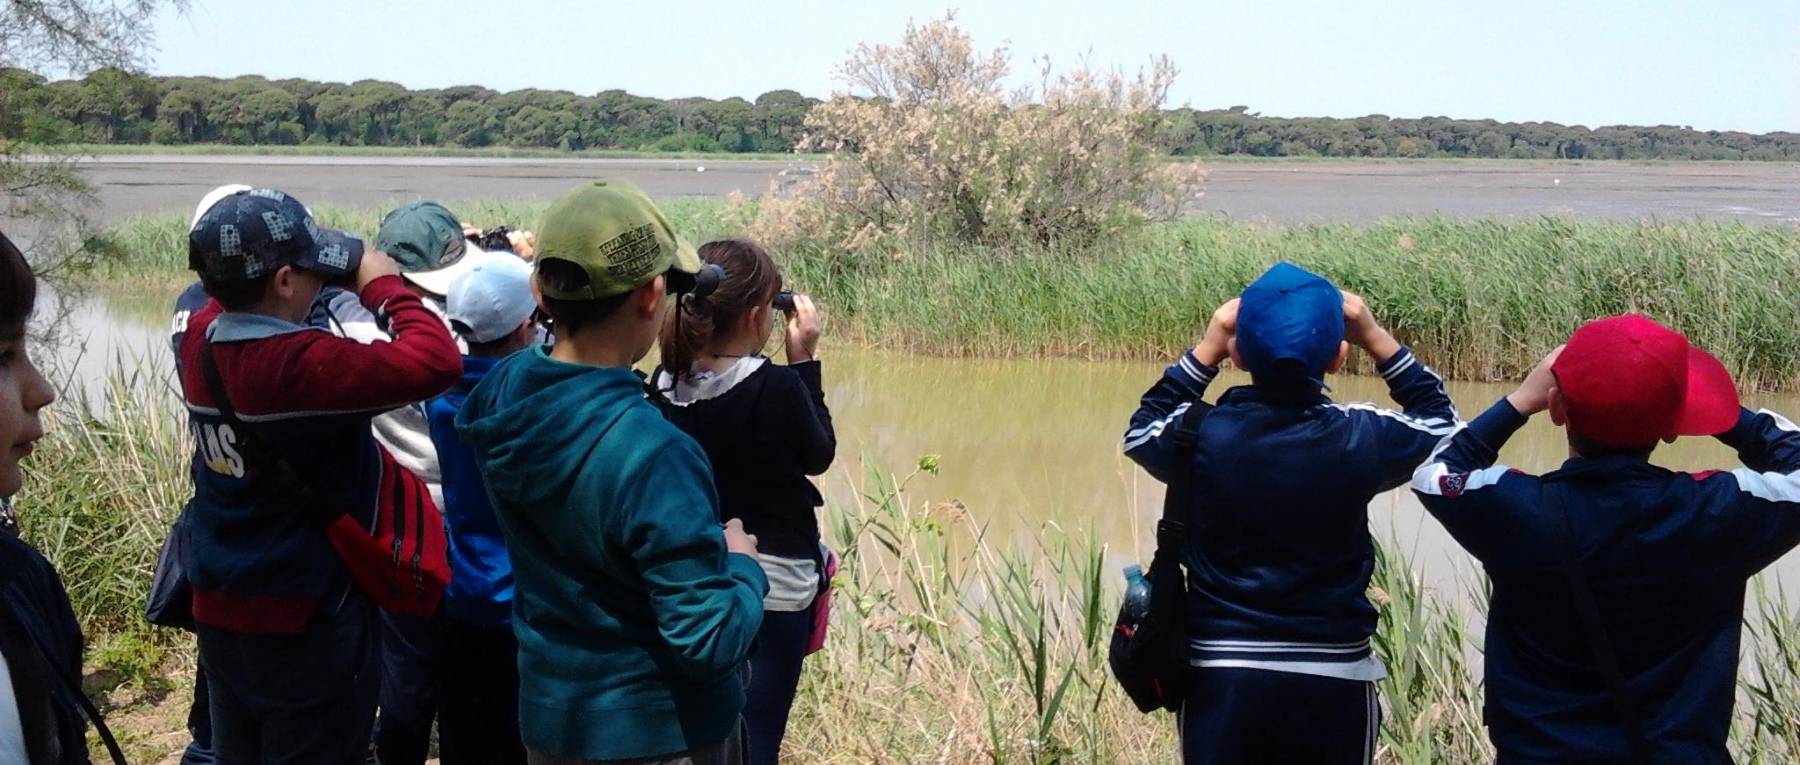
x,y
1587,611
1149,655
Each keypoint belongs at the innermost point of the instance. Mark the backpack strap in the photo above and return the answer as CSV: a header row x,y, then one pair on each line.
x,y
71,682
1587,611
1171,530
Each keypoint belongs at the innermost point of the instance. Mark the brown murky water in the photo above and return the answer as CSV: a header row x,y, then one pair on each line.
x,y
1021,443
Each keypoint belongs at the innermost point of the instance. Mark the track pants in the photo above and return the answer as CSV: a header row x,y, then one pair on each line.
x,y
1238,716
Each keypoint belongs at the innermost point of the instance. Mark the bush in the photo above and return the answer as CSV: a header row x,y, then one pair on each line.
x,y
928,143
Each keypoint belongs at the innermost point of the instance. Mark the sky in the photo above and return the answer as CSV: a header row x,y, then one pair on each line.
x,y
1709,64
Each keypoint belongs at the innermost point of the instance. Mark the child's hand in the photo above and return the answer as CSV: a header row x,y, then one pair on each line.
x,y
736,540
375,264
1533,395
1214,347
1362,331
803,331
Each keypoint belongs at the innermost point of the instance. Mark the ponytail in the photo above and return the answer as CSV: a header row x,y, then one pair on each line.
x,y
751,280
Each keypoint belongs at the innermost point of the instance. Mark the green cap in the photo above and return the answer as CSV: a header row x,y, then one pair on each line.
x,y
615,234
422,236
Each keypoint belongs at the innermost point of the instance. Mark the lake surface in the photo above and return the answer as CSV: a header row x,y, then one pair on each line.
x,y
1281,192
1021,443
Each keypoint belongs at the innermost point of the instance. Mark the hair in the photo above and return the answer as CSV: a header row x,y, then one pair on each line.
x,y
1591,449
751,281
18,288
504,346
571,316
237,294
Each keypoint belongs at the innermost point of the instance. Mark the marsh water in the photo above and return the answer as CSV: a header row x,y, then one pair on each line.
x,y
1019,443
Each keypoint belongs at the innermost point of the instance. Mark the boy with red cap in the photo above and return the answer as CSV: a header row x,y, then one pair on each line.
x,y
1277,550
1618,586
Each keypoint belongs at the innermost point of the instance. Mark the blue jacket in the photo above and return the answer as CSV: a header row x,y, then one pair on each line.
x,y
632,617
1666,556
1278,549
481,588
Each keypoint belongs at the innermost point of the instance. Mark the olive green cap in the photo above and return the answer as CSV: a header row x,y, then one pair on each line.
x,y
615,234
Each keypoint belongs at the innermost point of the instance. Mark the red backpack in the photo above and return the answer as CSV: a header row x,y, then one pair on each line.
x,y
400,560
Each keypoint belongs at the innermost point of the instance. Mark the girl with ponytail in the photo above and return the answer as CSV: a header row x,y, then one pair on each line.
x,y
766,428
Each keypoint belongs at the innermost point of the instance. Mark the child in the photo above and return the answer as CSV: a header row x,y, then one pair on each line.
x,y
287,641
490,307
765,429
1618,586
633,611
41,719
1278,551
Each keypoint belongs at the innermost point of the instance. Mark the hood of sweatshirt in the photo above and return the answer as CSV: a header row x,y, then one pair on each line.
x,y
533,421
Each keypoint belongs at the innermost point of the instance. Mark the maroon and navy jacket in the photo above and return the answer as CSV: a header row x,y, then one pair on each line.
x,y
1666,556
261,562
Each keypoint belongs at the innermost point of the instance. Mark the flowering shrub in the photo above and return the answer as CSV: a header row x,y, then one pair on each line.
x,y
928,142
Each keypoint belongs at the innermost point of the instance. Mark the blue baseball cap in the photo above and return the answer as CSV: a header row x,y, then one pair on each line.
x,y
1290,323
493,299
250,234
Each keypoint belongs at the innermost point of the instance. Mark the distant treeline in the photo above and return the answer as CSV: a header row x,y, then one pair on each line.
x,y
118,107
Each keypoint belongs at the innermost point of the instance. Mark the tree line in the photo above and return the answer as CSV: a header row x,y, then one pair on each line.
x,y
115,106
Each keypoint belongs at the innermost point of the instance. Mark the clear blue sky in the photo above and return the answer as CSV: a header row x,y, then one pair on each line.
x,y
1712,64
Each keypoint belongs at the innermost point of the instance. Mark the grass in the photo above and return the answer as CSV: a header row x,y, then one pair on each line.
x,y
1479,299
496,152
948,644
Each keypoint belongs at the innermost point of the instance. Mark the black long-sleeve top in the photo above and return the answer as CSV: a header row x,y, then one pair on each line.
x,y
765,436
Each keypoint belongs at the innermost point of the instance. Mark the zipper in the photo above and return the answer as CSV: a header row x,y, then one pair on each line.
x,y
399,514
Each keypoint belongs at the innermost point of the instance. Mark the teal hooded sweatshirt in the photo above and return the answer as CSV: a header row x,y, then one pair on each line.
x,y
631,616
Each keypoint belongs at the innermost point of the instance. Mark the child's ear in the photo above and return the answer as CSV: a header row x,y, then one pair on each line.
x,y
1343,355
283,284
649,298
1231,349
1559,410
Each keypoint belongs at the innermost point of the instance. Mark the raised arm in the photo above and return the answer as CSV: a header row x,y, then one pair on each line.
x,y
1767,487
1427,414
1148,439
1481,504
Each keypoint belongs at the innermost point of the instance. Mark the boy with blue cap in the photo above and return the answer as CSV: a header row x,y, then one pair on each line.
x,y
287,640
490,308
1278,553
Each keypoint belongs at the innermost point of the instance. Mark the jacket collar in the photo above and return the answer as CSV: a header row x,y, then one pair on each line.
x,y
1269,395
1577,468
234,327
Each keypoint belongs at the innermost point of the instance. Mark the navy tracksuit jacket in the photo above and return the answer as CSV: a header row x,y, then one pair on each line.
x,y
1666,556
1278,549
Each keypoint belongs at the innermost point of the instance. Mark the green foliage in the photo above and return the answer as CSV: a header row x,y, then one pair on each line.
x,y
115,106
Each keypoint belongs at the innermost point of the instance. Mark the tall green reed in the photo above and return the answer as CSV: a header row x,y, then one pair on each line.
x,y
1479,299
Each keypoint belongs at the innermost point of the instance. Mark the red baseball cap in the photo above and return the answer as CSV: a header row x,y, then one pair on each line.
x,y
1628,382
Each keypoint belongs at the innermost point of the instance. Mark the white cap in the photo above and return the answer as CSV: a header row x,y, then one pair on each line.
x,y
438,282
492,298
212,198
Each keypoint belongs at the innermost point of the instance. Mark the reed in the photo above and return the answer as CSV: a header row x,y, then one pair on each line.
x,y
1479,299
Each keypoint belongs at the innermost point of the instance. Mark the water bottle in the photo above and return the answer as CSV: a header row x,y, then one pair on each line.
x,y
1137,594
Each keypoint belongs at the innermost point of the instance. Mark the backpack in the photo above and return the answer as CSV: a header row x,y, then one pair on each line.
x,y
1148,652
402,561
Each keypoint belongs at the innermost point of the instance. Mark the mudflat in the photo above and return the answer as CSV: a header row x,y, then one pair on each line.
x,y
1321,191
